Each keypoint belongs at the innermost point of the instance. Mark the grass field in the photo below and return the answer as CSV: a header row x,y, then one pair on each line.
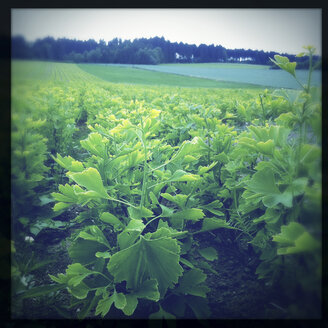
x,y
219,65
140,75
239,73
48,71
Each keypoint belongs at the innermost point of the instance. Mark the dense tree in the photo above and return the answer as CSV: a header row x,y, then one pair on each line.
x,y
139,51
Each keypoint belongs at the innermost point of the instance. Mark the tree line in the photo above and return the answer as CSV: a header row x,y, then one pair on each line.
x,y
153,51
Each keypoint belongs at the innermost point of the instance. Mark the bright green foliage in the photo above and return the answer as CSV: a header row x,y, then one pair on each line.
x,y
295,239
285,64
147,259
90,179
28,154
159,168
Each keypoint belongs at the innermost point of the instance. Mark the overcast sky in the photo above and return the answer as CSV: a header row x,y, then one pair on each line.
x,y
281,30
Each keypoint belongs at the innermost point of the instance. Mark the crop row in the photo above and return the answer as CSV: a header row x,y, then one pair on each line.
x,y
158,167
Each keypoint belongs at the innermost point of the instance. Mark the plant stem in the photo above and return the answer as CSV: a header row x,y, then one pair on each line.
x,y
310,72
151,221
145,172
263,111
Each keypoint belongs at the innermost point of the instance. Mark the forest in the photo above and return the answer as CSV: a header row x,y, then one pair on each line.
x,y
151,51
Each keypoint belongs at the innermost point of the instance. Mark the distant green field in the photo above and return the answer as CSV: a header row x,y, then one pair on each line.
x,y
131,75
219,65
46,71
238,73
62,72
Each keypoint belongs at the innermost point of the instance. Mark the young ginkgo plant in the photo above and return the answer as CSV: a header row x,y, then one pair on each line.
x,y
140,216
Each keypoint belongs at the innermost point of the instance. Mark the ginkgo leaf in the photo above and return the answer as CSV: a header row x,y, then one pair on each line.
x,y
147,259
95,144
77,270
104,306
182,176
263,183
213,224
129,235
90,179
294,238
192,283
161,314
139,213
191,214
111,219
95,234
214,207
69,163
66,197
147,290
80,291
209,253
178,199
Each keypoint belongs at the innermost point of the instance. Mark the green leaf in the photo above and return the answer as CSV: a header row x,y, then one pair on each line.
x,y
41,291
270,216
147,290
191,214
69,163
266,148
192,283
119,300
83,251
199,306
111,219
204,169
284,63
178,199
46,223
80,291
95,144
213,208
213,224
209,253
161,314
192,147
129,235
90,179
263,183
104,306
78,273
166,211
104,255
147,259
60,206
186,262
95,235
139,213
294,238
67,195
44,199
166,232
182,176
153,198
131,304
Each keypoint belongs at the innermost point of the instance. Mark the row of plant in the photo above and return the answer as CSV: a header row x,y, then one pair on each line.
x,y
159,168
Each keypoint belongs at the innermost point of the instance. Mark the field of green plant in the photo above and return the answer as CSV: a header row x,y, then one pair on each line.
x,y
238,73
144,201
145,74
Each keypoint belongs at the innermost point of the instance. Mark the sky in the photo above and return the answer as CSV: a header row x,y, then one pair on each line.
x,y
280,30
